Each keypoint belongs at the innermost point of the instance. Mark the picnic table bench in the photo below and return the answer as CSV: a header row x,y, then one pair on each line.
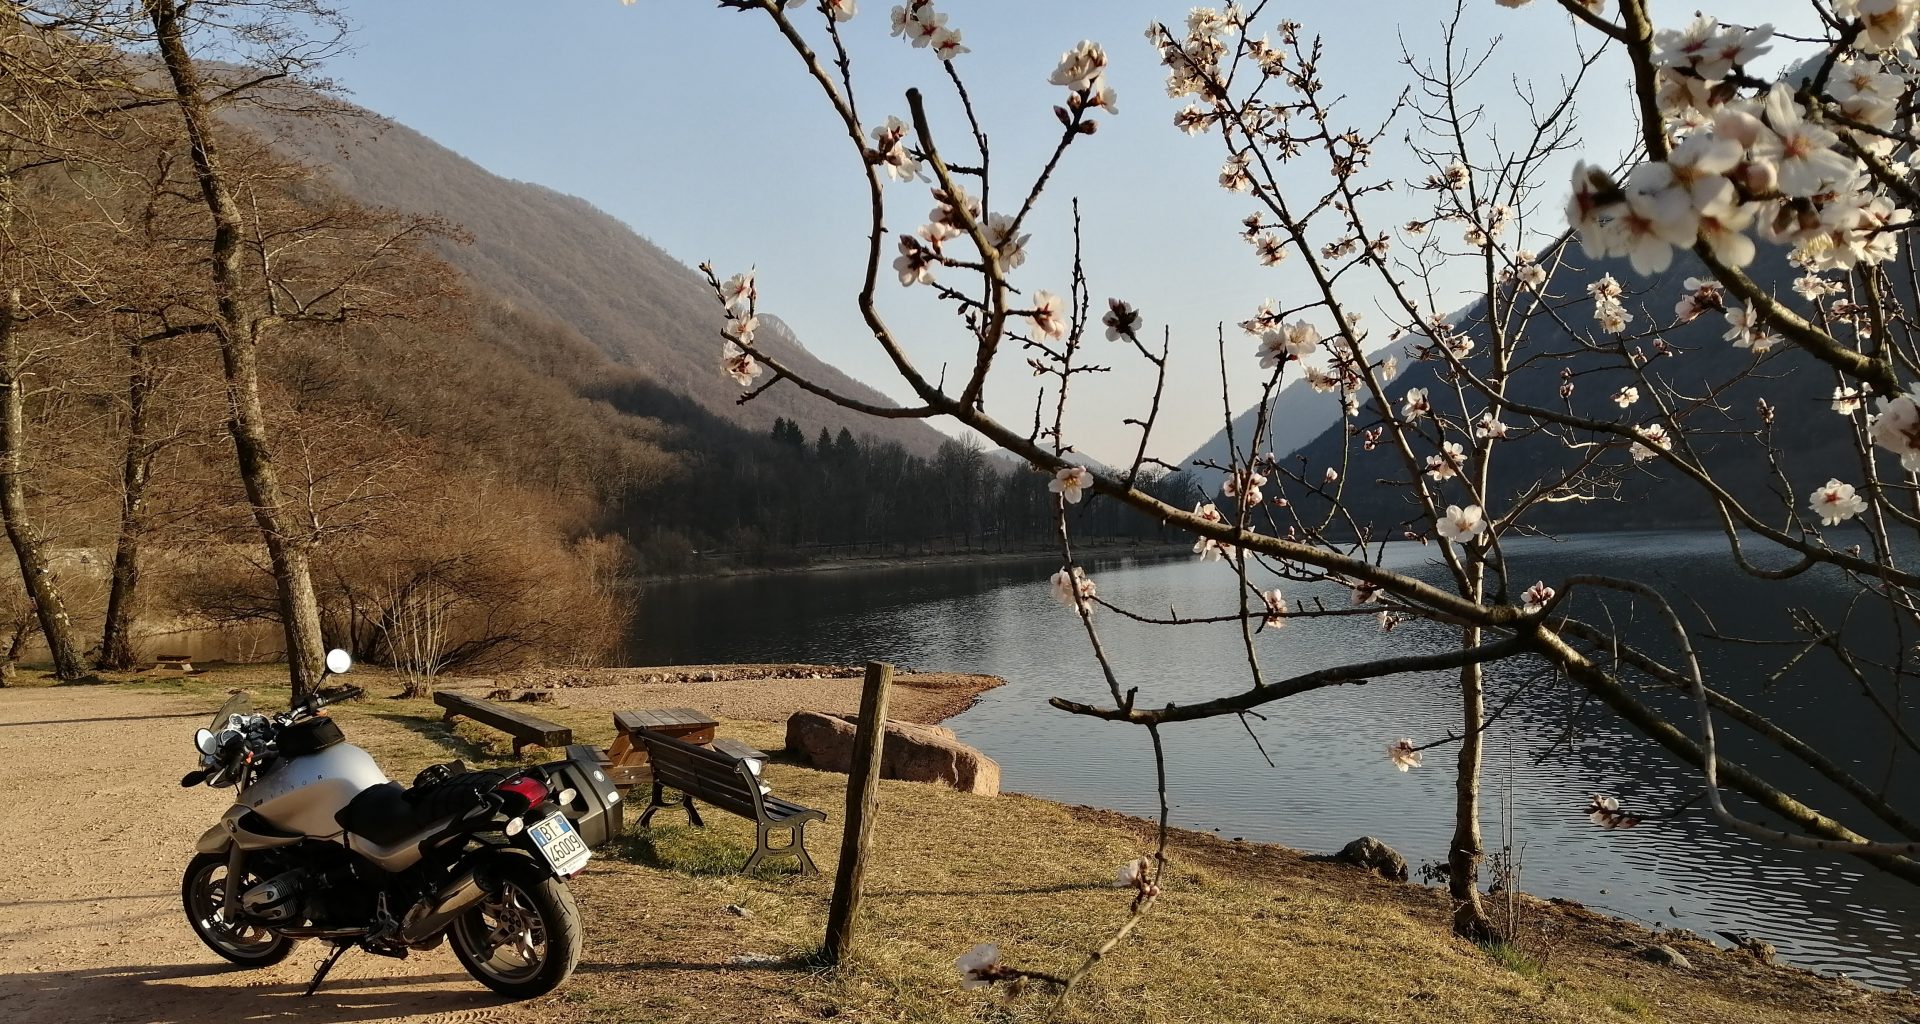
x,y
627,757
182,663
727,777
525,729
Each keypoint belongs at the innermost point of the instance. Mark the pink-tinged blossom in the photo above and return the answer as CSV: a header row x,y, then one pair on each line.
x,y
1812,287
1233,173
1847,400
1490,428
1010,244
1626,396
1605,812
1365,593
1462,525
838,10
1800,150
1896,427
1080,68
1746,330
946,43
1121,321
1447,464
1245,484
1536,597
1137,875
1276,603
978,965
1887,25
1070,483
1415,405
738,293
1049,315
890,150
739,364
915,263
741,328
923,25
1652,436
1331,476
1321,380
1388,620
1401,752
1073,589
1704,294
1836,503
1206,547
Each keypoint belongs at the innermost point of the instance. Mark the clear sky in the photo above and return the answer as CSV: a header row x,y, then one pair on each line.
x,y
697,127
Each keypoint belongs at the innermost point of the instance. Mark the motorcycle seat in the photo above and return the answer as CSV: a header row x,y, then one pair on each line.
x,y
388,814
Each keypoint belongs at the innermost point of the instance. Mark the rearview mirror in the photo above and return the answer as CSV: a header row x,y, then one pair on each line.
x,y
203,741
339,661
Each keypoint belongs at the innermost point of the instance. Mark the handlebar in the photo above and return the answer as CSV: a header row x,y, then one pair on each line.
x,y
321,698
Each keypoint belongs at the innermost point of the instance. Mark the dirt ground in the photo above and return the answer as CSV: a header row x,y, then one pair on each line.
x,y
92,929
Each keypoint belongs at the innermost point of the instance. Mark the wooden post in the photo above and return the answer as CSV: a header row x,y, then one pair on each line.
x,y
863,782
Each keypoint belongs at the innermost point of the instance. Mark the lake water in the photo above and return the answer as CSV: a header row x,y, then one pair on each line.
x,y
1330,780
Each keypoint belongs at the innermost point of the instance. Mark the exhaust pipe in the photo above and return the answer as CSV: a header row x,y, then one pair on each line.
x,y
427,920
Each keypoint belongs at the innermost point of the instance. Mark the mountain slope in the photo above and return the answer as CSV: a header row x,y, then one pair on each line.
x,y
560,258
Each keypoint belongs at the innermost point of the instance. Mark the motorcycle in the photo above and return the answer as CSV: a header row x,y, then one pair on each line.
x,y
319,844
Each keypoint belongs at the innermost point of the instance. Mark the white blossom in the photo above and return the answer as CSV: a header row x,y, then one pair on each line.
x,y
1490,428
1415,405
1626,396
1536,597
1462,525
738,293
1070,483
1847,400
1401,752
1652,436
1073,588
739,364
1836,503
1447,464
1049,315
1121,320
1276,603
1896,427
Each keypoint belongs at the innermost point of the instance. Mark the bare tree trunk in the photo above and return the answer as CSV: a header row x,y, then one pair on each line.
x,y
43,588
1463,857
116,641
238,331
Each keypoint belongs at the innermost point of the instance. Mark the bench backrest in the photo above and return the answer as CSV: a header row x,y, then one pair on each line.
x,y
717,778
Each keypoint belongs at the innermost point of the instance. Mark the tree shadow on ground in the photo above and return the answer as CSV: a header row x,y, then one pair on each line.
x,y
165,994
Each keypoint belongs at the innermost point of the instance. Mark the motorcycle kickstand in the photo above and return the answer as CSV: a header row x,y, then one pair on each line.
x,y
339,948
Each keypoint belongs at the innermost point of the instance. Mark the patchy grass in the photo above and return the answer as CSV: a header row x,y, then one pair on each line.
x,y
1517,960
1244,932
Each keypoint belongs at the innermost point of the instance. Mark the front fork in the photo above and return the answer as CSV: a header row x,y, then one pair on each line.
x,y
236,862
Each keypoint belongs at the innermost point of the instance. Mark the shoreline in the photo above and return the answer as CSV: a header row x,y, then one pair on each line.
x,y
855,563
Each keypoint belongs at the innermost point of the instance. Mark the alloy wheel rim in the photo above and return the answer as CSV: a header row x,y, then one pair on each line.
x,y
505,935
210,898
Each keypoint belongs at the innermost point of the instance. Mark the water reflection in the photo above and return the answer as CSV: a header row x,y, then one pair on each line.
x,y
1330,780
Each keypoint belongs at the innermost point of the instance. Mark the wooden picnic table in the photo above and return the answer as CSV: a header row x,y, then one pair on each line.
x,y
627,757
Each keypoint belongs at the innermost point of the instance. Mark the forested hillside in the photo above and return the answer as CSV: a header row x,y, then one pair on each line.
x,y
487,404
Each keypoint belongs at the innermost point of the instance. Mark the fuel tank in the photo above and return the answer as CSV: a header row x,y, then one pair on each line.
x,y
302,794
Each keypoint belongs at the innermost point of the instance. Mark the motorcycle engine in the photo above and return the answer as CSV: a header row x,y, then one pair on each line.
x,y
276,899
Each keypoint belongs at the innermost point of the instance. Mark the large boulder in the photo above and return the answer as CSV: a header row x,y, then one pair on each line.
x,y
1375,856
911,753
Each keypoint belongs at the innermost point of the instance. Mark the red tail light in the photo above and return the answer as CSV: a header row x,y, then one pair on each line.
x,y
526,789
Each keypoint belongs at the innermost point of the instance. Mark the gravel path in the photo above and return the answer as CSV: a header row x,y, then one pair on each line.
x,y
94,834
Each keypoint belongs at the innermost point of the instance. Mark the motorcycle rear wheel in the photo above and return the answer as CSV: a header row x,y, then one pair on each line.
x,y
203,891
524,939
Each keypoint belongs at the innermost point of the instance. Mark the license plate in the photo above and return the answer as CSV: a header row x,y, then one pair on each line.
x,y
560,845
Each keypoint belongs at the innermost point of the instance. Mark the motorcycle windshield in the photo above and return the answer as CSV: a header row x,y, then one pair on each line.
x,y
238,704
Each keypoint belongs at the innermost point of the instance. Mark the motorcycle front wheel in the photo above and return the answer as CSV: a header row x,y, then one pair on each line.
x,y
522,940
203,892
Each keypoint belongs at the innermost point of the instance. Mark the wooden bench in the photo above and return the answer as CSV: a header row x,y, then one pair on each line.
x,y
525,729
728,782
627,757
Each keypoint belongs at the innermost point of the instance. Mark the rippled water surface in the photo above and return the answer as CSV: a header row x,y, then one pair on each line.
x,y
1330,781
